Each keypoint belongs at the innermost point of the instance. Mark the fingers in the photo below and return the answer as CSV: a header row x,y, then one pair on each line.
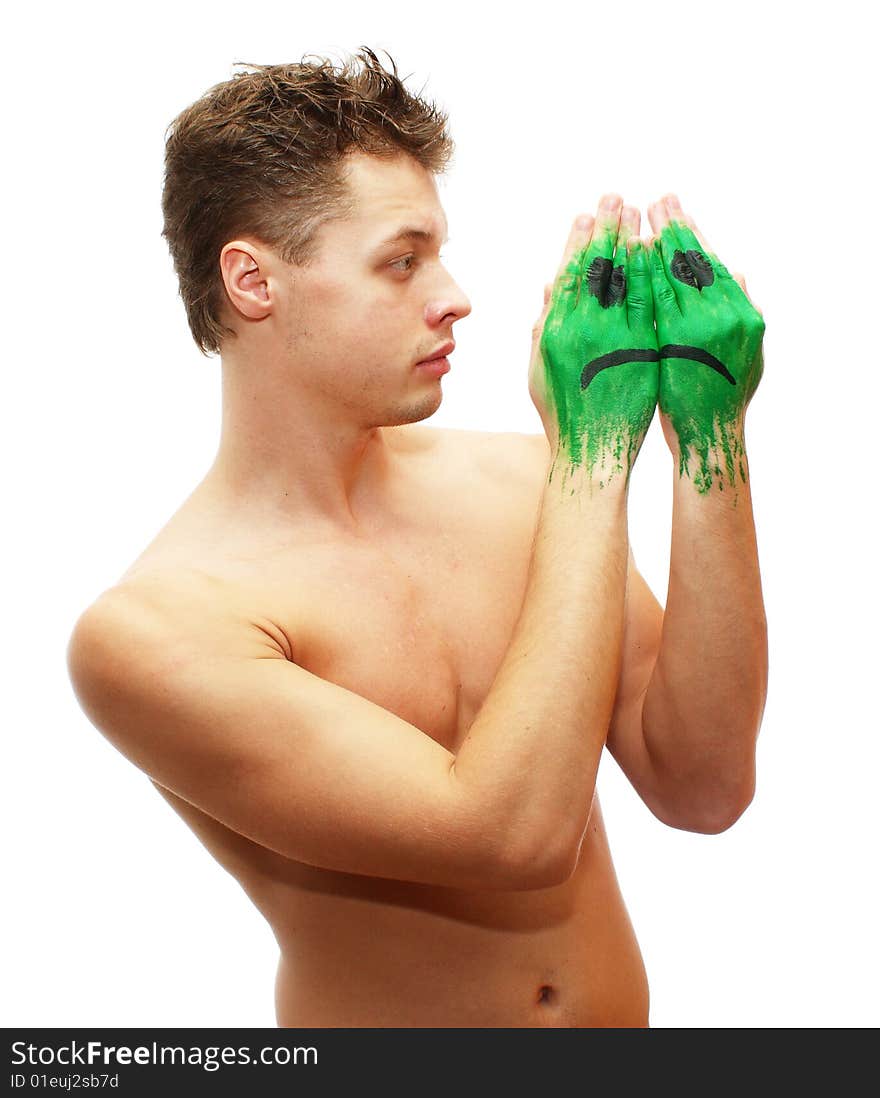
x,y
639,294
599,232
668,247
565,287
673,261
606,226
591,238
665,298
578,239
683,260
604,262
689,259
630,223
668,211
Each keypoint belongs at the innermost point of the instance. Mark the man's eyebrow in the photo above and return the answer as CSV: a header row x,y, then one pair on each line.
x,y
410,232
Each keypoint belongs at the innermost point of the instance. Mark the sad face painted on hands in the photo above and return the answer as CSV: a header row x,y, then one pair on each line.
x,y
626,322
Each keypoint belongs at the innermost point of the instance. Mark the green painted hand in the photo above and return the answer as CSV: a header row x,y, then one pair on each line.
x,y
710,337
597,363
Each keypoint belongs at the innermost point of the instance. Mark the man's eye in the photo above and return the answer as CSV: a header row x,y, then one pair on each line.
x,y
404,263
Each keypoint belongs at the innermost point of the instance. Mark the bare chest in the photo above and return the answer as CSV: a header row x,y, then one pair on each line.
x,y
417,624
415,615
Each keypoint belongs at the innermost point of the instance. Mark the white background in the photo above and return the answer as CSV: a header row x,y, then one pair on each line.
x,y
763,119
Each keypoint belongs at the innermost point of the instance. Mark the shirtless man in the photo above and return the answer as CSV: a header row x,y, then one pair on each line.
x,y
373,664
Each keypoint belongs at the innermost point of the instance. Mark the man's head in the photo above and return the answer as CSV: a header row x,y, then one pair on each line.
x,y
264,157
303,216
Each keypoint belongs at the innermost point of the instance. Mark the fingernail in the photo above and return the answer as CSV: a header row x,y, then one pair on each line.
x,y
609,202
582,221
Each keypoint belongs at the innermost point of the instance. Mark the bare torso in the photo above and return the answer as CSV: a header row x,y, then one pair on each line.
x,y
417,619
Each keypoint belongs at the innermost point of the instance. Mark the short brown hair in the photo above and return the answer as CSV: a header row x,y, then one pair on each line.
x,y
260,155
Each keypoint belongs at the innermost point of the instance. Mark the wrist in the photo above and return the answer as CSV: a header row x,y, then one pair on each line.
x,y
732,431
711,462
609,477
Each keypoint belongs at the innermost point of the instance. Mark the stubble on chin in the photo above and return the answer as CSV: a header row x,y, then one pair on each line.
x,y
414,411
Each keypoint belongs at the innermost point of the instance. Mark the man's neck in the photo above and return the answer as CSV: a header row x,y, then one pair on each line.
x,y
312,471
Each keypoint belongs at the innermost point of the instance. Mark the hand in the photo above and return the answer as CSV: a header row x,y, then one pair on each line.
x,y
710,345
594,374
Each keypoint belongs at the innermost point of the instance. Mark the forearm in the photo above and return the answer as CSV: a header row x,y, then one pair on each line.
x,y
531,756
704,703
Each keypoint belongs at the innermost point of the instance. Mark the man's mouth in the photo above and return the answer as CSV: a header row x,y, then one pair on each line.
x,y
648,354
441,352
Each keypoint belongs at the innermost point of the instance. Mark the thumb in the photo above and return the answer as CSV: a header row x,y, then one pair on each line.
x,y
538,327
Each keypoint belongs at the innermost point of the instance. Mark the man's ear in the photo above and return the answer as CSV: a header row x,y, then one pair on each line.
x,y
245,274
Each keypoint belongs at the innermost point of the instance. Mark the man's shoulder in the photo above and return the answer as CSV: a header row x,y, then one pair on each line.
x,y
156,597
167,616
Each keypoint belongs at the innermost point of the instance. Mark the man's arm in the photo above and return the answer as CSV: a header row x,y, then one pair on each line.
x,y
206,703
686,736
694,679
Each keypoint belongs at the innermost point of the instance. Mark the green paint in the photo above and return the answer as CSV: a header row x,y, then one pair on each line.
x,y
601,303
699,305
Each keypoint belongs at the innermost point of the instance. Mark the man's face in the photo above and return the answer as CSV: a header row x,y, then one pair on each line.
x,y
376,298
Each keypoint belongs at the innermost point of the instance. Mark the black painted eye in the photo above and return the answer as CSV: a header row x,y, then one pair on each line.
x,y
606,282
693,269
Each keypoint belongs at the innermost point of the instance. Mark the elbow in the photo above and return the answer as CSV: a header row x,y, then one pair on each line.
x,y
708,797
522,862
513,851
714,812
545,873
730,801
722,819
546,865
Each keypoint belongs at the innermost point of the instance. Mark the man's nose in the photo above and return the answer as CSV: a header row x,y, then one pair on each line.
x,y
451,305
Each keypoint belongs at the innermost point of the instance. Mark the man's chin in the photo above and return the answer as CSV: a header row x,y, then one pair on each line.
x,y
415,411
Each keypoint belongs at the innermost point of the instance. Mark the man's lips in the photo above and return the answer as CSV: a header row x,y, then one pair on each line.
x,y
441,352
648,354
